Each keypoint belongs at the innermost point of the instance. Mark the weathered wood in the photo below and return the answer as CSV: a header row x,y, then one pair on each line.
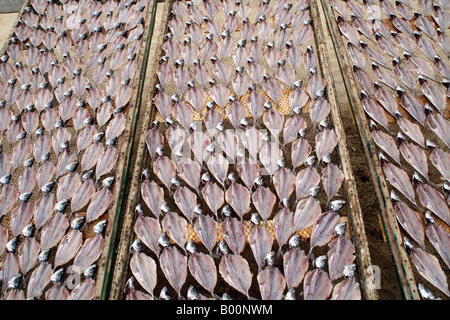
x,y
146,115
391,228
355,218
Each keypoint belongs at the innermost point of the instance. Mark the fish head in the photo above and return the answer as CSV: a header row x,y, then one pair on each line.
x,y
48,187
61,206
90,271
226,211
311,160
290,295
77,222
27,231
337,205
164,294
72,167
163,240
349,270
294,241
136,246
190,247
192,293
165,207
43,256
409,247
269,260
429,218
425,293
25,197
401,138
416,179
255,219
15,281
428,109
320,262
314,191
12,244
340,229
56,277
100,227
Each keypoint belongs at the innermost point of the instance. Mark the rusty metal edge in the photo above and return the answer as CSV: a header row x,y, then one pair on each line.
x,y
390,225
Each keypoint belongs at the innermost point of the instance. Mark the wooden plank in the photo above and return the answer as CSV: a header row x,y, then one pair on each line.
x,y
391,228
146,115
355,218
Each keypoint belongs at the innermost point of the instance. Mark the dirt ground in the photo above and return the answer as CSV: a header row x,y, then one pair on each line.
x,y
379,249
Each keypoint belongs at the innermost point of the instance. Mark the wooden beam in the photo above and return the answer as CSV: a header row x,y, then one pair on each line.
x,y
391,228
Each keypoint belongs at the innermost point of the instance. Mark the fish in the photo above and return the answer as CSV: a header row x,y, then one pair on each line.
x,y
412,105
439,125
235,270
133,294
83,291
283,226
28,254
218,165
399,179
90,251
189,171
148,230
248,170
174,266
295,266
326,141
107,161
323,229
68,185
385,142
165,170
340,254
206,228
284,183
255,103
332,178
238,196
39,280
434,95
69,245
415,156
305,180
260,241
301,150
431,199
347,289
440,160
53,230
428,266
143,268
43,210
100,201
10,269
203,269
219,94
412,130
270,155
176,228
213,196
21,215
251,139
374,111
264,201
233,232
271,283
307,211
438,237
317,284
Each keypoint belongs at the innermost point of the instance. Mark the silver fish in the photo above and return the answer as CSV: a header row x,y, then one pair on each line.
x,y
307,212
28,254
203,269
143,268
431,199
428,266
399,179
100,202
271,283
83,291
283,225
174,267
261,243
385,142
90,251
39,280
148,230
340,254
53,231
235,270
317,284
438,237
323,229
295,266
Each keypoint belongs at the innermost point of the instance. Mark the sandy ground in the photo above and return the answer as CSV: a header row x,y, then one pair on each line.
x,y
379,249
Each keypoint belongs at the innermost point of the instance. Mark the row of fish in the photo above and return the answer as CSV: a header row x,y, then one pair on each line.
x,y
65,81
414,92
229,176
